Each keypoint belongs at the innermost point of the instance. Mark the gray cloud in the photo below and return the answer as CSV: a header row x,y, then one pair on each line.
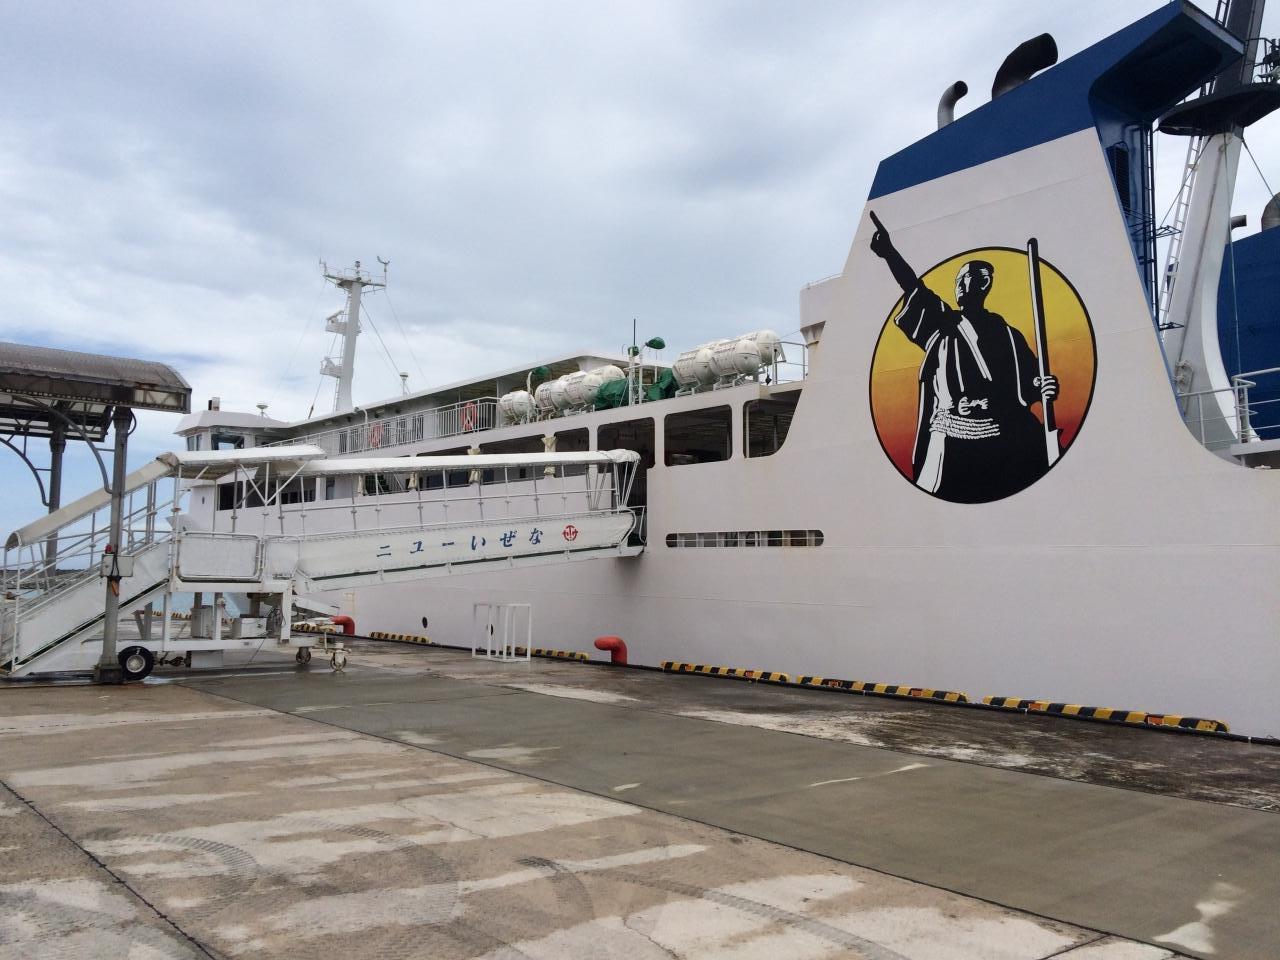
x,y
539,174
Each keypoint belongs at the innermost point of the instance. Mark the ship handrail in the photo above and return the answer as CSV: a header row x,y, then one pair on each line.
x,y
456,419
482,414
61,550
781,369
504,492
1241,422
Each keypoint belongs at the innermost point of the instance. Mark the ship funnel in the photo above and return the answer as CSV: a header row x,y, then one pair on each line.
x,y
1271,213
947,105
1028,58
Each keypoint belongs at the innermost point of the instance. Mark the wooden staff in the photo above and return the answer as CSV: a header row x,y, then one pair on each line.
x,y
1051,446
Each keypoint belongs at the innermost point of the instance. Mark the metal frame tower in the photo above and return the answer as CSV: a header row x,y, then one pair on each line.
x,y
346,323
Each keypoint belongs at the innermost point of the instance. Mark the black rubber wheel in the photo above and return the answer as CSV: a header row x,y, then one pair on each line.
x,y
136,662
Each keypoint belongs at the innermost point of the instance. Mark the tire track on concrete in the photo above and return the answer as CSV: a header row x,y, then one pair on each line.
x,y
164,918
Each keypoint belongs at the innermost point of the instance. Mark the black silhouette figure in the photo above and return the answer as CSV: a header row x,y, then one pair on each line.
x,y
976,437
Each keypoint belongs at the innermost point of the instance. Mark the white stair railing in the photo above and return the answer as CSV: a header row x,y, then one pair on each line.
x,y
39,571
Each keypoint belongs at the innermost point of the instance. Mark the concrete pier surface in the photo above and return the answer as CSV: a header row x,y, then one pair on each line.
x,y
423,804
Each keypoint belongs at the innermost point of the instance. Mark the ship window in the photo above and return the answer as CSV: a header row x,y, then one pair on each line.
x,y
238,494
747,538
532,444
637,435
766,423
634,435
699,436
227,441
298,491
375,483
435,480
574,441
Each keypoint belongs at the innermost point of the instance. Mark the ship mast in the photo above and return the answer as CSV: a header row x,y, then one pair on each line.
x,y
1187,308
346,324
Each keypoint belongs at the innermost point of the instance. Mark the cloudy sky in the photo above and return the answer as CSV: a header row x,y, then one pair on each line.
x,y
538,174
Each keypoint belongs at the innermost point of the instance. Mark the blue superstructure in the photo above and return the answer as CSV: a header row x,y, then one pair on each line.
x,y
1249,322
1119,86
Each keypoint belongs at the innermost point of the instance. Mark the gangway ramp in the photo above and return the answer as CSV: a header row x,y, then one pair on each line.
x,y
297,522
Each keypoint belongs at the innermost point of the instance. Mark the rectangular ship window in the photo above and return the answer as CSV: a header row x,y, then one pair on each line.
x,y
434,481
699,436
376,483
747,538
238,494
518,445
637,435
765,423
227,495
573,441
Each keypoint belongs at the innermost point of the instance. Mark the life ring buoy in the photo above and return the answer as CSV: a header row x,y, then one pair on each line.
x,y
375,435
469,416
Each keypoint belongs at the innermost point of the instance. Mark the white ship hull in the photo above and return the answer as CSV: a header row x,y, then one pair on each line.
x,y
955,535
1138,573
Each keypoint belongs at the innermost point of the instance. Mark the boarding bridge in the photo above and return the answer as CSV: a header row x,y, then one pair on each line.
x,y
286,522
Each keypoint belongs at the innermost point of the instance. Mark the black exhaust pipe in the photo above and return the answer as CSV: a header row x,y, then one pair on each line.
x,y
1028,58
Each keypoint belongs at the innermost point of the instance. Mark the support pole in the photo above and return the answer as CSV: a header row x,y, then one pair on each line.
x,y
108,669
166,631
348,363
57,446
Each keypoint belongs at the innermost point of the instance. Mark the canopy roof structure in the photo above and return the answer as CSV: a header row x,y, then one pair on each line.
x,y
81,387
309,461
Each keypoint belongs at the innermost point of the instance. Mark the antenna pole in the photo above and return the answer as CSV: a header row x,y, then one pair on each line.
x,y
347,325
633,368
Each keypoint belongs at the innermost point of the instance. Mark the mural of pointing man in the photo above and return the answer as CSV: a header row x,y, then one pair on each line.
x,y
976,437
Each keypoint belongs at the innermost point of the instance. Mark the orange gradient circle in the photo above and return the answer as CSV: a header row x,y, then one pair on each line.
x,y
895,366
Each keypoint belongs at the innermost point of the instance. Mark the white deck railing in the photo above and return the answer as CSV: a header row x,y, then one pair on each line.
x,y
475,416
1247,421
457,419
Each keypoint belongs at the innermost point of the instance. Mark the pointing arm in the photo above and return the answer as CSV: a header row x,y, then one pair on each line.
x,y
883,248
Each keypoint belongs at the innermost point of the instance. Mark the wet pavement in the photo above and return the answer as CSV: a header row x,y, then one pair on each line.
x,y
427,805
1175,764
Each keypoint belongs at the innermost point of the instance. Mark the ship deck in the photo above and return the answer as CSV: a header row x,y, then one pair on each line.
x,y
426,804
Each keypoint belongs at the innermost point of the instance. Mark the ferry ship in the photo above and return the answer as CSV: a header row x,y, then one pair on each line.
x,y
885,499
1003,456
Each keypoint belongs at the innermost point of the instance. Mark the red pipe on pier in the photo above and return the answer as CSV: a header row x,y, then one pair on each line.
x,y
347,624
617,649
